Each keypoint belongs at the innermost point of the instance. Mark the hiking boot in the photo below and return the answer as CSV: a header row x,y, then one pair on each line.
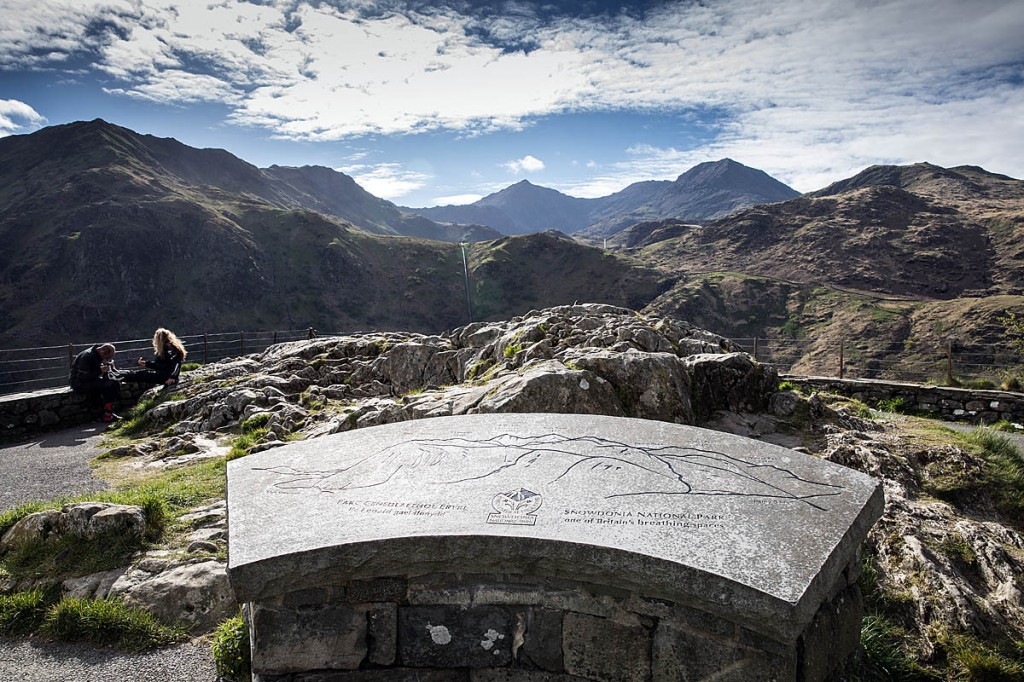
x,y
110,418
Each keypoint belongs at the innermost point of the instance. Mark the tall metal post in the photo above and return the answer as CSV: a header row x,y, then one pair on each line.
x,y
949,363
206,348
241,341
842,359
465,271
755,348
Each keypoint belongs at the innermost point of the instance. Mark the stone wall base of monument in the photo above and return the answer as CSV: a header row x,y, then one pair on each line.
x,y
508,628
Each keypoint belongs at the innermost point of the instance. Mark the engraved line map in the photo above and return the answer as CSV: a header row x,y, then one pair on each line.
x,y
562,460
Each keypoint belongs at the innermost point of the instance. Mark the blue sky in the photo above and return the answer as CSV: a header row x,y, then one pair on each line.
x,y
443,102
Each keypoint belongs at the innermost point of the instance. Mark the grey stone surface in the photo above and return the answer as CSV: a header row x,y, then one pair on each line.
x,y
542,640
603,649
288,641
688,655
706,519
382,634
833,635
452,637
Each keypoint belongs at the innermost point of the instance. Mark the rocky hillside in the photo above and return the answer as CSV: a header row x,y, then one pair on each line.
x,y
109,234
930,232
942,569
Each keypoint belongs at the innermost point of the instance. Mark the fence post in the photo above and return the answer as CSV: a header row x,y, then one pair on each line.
x,y
949,363
842,358
71,354
241,342
206,348
755,349
274,342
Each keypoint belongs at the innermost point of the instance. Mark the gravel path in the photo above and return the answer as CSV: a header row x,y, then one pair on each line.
x,y
52,465
25,660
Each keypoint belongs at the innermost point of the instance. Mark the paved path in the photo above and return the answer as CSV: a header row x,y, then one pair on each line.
x,y
50,465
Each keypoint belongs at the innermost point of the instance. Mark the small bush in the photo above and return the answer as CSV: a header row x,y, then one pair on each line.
x,y
511,350
190,366
790,386
22,613
244,444
257,421
897,405
108,622
230,647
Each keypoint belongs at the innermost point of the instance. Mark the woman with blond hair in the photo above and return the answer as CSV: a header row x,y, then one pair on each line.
x,y
169,352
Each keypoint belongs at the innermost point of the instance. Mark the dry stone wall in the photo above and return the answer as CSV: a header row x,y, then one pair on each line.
x,y
24,415
956,404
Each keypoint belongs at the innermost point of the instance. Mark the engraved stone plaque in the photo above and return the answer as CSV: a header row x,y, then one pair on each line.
x,y
752,531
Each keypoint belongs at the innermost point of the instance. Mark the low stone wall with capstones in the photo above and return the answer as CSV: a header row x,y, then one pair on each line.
x,y
24,415
956,404
553,548
490,628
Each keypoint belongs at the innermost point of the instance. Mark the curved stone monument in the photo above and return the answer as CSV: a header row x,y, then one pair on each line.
x,y
546,547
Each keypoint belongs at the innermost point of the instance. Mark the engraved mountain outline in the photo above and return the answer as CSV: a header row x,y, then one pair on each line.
x,y
666,470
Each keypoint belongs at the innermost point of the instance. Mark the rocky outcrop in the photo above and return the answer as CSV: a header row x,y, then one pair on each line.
x,y
87,520
595,359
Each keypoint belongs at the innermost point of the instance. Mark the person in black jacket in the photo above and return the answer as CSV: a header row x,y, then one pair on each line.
x,y
91,377
168,354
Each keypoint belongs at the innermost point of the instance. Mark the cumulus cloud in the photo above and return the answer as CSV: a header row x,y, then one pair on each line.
x,y
386,180
16,117
812,87
527,164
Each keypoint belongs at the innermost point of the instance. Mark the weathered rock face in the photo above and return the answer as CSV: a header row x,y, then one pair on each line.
x,y
89,520
591,359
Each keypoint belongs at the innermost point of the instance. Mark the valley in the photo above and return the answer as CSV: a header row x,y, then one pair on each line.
x,y
109,233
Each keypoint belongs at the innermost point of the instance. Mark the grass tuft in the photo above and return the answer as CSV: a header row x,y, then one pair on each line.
x,y
108,622
22,613
1005,468
230,647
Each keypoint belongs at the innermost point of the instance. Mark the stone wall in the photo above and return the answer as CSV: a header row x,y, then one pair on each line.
x,y
957,404
24,415
491,628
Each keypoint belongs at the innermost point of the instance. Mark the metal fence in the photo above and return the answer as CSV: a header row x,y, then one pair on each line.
x,y
32,369
938,363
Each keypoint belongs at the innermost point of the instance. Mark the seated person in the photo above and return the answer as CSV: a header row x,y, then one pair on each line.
x,y
168,354
91,376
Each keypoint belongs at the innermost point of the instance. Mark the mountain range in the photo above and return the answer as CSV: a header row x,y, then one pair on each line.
x,y
705,192
108,234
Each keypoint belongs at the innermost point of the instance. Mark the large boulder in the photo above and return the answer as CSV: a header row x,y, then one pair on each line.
x,y
197,595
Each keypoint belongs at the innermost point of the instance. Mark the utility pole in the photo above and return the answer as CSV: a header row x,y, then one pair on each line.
x,y
465,272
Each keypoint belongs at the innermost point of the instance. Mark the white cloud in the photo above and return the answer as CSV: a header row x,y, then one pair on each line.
x,y
809,88
386,180
16,117
457,199
527,164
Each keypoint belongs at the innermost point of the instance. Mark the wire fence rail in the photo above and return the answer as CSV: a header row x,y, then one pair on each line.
x,y
31,369
920,362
